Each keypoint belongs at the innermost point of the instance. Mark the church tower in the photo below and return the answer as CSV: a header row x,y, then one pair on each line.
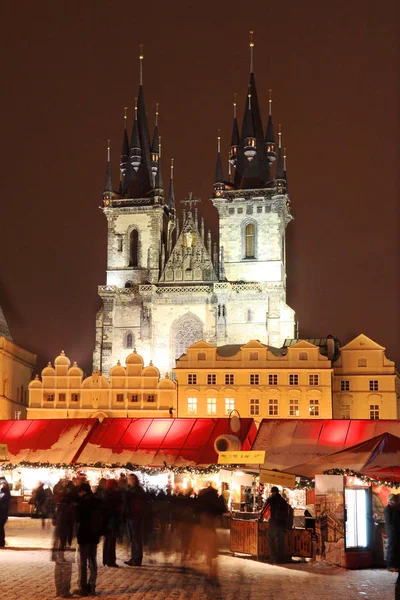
x,y
169,284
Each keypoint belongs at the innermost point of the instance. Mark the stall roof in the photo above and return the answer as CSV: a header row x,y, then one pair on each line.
x,y
377,457
54,441
160,442
290,442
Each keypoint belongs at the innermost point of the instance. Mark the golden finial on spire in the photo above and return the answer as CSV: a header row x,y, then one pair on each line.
x,y
172,169
251,51
108,150
135,109
270,102
219,141
157,105
234,105
284,159
249,97
141,64
125,114
159,146
279,136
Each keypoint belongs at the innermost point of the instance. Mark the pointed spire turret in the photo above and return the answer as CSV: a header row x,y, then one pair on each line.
x,y
280,171
219,176
135,152
250,142
171,192
269,136
155,147
235,141
108,188
158,182
285,170
125,145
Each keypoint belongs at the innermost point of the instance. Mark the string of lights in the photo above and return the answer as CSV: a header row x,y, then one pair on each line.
x,y
365,478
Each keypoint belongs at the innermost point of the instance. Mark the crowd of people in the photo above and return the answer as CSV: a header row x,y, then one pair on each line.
x,y
120,510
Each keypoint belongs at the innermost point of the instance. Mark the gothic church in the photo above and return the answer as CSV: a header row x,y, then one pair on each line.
x,y
169,284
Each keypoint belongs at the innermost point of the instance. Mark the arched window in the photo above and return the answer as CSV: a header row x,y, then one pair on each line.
x,y
133,248
186,331
129,340
250,240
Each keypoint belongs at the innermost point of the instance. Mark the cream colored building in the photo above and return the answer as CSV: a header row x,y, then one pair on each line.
x,y
365,382
257,381
16,368
130,391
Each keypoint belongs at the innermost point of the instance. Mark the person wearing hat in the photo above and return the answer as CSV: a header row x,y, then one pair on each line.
x,y
279,511
4,506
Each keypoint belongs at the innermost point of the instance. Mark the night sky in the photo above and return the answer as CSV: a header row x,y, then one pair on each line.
x,y
68,70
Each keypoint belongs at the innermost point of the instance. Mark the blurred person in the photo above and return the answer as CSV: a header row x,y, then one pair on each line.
x,y
113,510
136,512
101,488
279,511
39,499
210,509
91,518
4,508
391,514
63,521
59,490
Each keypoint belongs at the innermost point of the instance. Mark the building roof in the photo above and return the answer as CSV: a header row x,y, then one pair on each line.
x,y
160,442
291,442
53,441
4,329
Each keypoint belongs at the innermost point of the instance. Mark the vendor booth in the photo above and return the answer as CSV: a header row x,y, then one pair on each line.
x,y
39,450
351,489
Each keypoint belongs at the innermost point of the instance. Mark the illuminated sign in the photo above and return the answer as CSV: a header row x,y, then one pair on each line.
x,y
241,457
284,479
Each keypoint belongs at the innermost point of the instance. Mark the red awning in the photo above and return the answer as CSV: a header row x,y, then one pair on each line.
x,y
54,441
156,442
290,442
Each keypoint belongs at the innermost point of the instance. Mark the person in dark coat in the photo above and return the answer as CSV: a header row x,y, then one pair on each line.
x,y
90,517
4,507
113,509
136,512
278,523
391,514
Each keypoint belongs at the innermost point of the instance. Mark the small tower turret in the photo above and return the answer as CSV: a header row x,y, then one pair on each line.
x,y
155,149
269,136
125,145
280,170
235,141
250,142
219,185
158,182
171,192
135,153
108,187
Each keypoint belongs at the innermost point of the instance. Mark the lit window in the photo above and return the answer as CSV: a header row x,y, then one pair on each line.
x,y
50,397
254,379
120,397
345,411
374,411
303,356
211,406
314,408
192,406
293,379
273,407
250,240
61,397
229,405
253,355
313,379
201,356
373,385
211,379
294,407
134,398
273,379
150,397
192,378
229,379
74,397
254,406
344,385
362,362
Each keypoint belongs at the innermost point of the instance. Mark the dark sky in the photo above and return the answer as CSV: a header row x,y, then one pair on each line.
x,y
69,68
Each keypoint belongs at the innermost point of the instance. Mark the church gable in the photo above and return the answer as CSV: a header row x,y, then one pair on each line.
x,y
362,342
189,260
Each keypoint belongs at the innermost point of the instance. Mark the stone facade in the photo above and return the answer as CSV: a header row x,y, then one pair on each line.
x,y
255,381
130,391
16,368
366,384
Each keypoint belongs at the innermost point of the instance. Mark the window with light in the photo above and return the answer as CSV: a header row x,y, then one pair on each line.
x,y
229,405
294,407
192,406
211,406
314,408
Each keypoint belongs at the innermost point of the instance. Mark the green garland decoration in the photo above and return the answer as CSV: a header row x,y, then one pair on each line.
x,y
365,478
305,484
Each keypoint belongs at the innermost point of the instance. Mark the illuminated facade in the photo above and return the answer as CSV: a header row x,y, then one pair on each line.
x,y
130,391
257,381
169,284
366,384
16,368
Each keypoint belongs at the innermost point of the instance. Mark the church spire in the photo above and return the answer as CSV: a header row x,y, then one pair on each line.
x,y
235,136
155,147
280,170
125,145
108,188
135,153
171,192
158,182
269,136
219,176
145,175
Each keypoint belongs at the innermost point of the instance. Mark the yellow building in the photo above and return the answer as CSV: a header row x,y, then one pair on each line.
x,y
16,368
365,382
131,391
257,381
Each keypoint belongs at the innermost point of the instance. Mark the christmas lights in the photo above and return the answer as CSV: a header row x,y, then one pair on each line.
x,y
365,478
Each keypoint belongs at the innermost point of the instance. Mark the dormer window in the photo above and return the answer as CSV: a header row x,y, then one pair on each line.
x,y
201,356
362,362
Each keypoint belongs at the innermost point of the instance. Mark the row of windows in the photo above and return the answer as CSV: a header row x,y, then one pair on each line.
x,y
119,397
254,407
374,411
254,379
249,210
252,355
373,385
